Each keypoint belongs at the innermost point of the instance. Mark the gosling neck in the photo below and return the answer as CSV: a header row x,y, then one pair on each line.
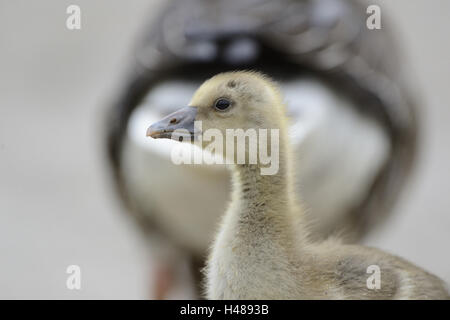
x,y
255,191
258,196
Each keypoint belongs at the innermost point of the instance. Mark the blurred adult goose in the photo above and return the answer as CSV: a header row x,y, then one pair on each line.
x,y
263,250
352,123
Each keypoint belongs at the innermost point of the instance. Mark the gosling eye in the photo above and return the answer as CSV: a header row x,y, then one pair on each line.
x,y
222,104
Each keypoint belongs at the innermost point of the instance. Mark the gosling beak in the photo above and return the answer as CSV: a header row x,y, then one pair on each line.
x,y
181,120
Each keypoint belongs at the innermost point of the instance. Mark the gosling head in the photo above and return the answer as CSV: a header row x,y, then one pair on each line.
x,y
232,100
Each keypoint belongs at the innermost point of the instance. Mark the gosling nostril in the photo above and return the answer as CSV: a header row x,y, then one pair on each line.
x,y
173,121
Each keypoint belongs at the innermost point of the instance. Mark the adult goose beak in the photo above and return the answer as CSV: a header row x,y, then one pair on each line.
x,y
178,125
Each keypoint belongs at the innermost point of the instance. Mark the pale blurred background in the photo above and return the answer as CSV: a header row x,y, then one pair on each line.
x,y
57,206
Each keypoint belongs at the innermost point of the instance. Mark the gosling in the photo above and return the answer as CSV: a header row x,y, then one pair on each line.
x,y
263,249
